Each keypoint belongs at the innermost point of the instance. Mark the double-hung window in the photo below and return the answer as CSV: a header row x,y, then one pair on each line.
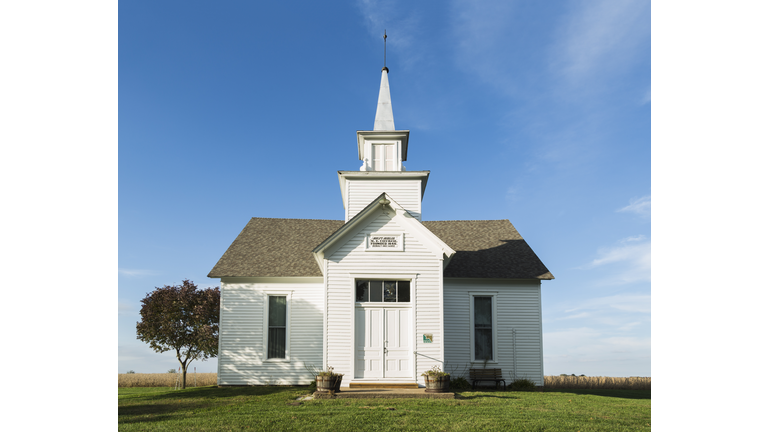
x,y
483,327
277,327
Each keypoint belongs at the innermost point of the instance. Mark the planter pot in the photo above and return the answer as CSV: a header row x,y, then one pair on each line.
x,y
437,384
329,383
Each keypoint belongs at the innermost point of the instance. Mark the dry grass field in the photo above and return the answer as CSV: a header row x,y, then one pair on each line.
x,y
585,382
163,379
551,382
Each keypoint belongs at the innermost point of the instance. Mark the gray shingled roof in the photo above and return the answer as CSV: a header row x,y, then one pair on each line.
x,y
275,247
488,249
283,247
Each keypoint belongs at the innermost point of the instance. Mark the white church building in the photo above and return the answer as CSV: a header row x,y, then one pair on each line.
x,y
382,295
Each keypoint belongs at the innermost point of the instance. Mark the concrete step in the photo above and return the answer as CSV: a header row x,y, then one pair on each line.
x,y
380,393
353,386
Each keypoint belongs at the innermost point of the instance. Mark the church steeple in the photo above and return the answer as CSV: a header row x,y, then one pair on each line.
x,y
384,121
384,148
383,151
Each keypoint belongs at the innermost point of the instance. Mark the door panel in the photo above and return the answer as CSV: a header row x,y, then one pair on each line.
x,y
383,343
397,343
369,347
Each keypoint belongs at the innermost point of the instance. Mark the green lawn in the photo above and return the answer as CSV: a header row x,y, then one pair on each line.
x,y
267,408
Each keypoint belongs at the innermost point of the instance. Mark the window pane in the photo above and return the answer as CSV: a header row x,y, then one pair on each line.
x,y
376,287
404,291
483,344
390,291
276,345
483,328
276,311
362,291
483,312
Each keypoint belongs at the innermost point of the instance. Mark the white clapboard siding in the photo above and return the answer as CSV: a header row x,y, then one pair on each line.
x,y
416,259
242,352
518,307
407,193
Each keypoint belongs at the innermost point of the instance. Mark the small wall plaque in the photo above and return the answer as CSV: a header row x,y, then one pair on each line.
x,y
381,242
427,337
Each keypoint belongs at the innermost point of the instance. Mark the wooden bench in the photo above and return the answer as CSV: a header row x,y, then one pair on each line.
x,y
478,375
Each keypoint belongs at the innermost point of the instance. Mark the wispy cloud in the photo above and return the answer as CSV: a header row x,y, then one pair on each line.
x,y
595,352
135,272
646,99
483,32
402,28
631,258
124,307
635,303
600,37
640,206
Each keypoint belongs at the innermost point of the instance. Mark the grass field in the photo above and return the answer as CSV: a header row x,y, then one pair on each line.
x,y
267,408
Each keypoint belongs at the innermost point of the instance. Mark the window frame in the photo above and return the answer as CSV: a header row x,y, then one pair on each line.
x,y
265,332
494,326
383,303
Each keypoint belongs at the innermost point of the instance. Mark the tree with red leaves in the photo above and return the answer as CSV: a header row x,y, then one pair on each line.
x,y
184,319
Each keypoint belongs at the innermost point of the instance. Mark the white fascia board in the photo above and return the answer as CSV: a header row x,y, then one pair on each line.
x,y
379,175
400,135
319,251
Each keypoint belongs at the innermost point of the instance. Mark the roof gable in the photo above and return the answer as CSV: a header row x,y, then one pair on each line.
x,y
359,221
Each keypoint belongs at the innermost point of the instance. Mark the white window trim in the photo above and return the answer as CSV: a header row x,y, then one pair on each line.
x,y
287,294
494,326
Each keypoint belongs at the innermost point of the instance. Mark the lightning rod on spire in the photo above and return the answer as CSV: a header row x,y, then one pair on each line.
x,y
385,52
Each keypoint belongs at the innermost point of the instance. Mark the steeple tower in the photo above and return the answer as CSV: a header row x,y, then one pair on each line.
x,y
382,151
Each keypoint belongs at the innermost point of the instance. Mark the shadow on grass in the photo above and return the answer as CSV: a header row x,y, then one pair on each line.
x,y
213,392
624,394
163,406
500,395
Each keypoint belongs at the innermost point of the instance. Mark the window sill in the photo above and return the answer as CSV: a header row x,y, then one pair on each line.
x,y
277,360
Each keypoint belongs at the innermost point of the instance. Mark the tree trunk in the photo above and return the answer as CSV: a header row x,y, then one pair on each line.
x,y
183,369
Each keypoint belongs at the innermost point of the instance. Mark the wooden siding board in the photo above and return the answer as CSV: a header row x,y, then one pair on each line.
x,y
242,354
518,307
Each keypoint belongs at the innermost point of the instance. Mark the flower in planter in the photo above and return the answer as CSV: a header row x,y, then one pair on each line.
x,y
435,372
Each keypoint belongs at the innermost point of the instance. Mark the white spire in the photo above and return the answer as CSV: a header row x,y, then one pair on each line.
x,y
384,121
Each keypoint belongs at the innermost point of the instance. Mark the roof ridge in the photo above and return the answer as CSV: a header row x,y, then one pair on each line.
x,y
469,220
328,220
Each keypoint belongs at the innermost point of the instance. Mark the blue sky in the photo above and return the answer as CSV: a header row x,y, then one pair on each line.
x,y
539,113
140,137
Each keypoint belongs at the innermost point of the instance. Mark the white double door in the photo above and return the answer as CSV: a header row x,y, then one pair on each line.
x,y
383,343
